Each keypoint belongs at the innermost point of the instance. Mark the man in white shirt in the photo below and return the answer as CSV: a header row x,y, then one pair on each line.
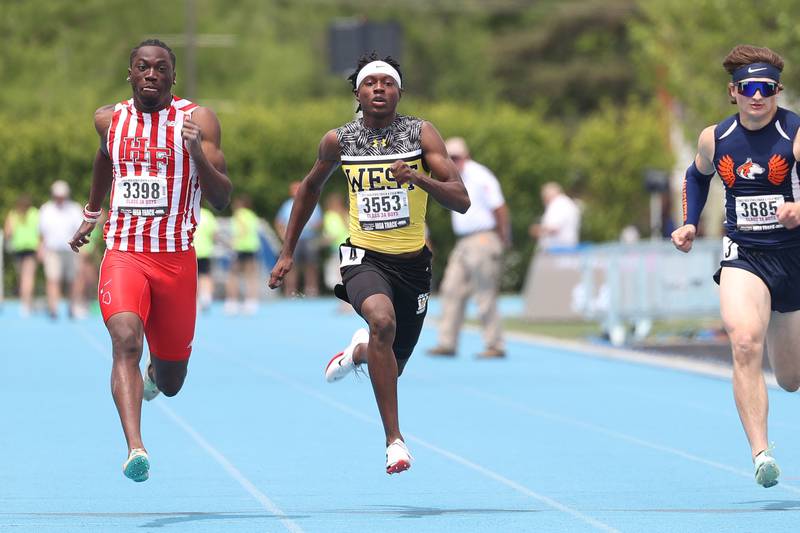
x,y
476,262
561,222
58,219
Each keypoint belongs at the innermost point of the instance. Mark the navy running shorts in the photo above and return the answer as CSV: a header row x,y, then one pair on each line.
x,y
779,269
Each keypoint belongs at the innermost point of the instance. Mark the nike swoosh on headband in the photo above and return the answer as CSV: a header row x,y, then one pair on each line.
x,y
751,70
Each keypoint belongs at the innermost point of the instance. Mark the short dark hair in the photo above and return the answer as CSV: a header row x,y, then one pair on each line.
x,y
154,42
373,56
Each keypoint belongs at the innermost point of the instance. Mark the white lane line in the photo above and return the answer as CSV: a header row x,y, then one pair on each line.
x,y
522,408
277,376
234,472
223,461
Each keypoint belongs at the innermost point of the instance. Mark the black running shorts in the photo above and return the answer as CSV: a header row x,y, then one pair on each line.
x,y
407,282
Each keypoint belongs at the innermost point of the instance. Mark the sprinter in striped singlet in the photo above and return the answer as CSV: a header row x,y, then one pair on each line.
x,y
157,154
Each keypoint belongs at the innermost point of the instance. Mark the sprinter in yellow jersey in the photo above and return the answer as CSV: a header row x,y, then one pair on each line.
x,y
387,160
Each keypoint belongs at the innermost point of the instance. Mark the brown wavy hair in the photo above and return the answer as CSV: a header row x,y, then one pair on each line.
x,y
746,54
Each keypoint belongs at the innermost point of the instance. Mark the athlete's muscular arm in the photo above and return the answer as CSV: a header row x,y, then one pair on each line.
x,y
202,135
306,199
101,176
447,187
683,237
789,212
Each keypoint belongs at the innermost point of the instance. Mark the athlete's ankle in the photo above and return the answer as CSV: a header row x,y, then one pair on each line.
x,y
360,354
756,451
390,438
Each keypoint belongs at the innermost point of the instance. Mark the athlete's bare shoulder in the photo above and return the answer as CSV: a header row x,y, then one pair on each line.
x,y
329,149
102,119
209,124
201,113
705,145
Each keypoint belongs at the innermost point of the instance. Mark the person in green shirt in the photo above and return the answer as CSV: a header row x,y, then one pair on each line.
x,y
334,233
21,231
204,237
246,245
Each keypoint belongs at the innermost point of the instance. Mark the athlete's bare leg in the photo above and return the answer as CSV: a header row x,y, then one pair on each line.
x,y
745,309
127,336
783,348
378,311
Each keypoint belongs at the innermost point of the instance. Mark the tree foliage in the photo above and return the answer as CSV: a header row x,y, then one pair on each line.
x,y
523,82
681,44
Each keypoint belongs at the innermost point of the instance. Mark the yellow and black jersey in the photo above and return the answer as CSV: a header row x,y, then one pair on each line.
x,y
384,216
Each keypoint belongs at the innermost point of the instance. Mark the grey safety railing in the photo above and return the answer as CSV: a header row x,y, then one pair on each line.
x,y
629,285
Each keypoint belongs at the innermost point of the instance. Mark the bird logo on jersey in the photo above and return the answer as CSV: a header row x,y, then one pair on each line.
x,y
778,169
749,170
725,170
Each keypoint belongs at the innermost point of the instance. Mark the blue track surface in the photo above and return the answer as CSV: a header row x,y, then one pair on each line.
x,y
547,440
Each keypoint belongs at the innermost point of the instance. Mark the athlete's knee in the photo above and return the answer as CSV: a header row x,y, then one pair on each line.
x,y
746,348
170,387
382,327
126,341
789,382
169,376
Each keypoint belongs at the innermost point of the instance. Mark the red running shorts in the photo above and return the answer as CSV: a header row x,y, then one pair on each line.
x,y
161,288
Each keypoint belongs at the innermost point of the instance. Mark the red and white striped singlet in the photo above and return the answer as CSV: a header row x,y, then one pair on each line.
x,y
155,193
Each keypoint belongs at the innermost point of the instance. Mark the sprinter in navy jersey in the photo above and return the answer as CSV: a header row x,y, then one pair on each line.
x,y
755,153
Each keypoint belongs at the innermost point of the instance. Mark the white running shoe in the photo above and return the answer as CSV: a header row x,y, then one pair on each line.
x,y
398,458
137,467
767,471
150,388
342,363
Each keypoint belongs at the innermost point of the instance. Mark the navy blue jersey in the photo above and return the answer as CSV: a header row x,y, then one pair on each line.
x,y
759,171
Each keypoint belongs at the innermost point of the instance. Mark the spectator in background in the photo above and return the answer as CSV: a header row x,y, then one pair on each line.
x,y
246,245
334,233
204,238
561,222
476,262
21,231
306,253
58,219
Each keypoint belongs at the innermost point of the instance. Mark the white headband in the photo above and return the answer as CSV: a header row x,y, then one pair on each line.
x,y
378,67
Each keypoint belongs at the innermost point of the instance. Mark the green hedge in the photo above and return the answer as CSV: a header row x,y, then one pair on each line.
x,y
267,147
